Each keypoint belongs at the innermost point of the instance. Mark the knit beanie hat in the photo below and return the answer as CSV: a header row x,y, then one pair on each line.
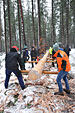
x,y
15,47
25,46
56,47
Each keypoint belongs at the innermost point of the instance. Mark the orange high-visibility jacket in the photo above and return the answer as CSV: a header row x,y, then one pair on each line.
x,y
62,61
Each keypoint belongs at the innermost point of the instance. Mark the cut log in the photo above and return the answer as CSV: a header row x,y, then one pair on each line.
x,y
38,61
36,72
48,58
35,83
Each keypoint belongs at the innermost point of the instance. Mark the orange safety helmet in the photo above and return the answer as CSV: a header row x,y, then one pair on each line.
x,y
15,47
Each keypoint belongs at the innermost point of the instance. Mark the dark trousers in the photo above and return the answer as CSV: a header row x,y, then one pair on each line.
x,y
32,63
18,75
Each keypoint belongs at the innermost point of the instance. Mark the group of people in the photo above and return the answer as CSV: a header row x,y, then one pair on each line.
x,y
13,61
33,54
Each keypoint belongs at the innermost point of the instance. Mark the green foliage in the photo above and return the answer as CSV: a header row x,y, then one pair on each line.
x,y
29,105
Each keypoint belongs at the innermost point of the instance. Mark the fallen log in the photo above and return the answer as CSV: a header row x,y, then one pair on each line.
x,y
44,72
38,61
36,72
48,58
34,83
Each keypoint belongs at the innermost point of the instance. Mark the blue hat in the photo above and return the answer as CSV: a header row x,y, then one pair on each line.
x,y
56,47
25,46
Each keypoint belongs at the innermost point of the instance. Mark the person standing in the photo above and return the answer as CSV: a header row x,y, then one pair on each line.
x,y
67,50
33,55
25,54
50,51
12,63
63,69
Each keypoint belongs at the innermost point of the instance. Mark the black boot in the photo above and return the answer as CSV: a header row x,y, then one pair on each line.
x,y
67,91
25,87
59,93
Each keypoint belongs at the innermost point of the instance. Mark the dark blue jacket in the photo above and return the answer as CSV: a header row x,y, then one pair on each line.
x,y
13,60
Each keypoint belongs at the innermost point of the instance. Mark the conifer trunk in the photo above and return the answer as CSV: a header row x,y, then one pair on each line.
x,y
5,26
8,2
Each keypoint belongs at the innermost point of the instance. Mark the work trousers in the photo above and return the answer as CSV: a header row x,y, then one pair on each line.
x,y
62,75
18,75
33,63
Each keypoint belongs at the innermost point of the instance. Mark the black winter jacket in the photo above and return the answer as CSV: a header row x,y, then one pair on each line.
x,y
67,51
33,53
13,60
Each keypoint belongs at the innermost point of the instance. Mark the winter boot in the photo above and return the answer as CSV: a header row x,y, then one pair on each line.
x,y
67,91
59,93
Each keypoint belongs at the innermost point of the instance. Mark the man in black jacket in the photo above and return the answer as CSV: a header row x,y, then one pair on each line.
x,y
12,62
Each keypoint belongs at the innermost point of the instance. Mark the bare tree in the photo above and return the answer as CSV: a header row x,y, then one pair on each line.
x,y
19,24
39,21
5,25
34,43
53,26
67,22
62,36
0,30
22,21
8,2
14,23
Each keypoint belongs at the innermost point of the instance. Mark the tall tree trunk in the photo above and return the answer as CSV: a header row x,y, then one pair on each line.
x,y
19,24
0,30
8,2
14,24
45,30
22,21
5,25
33,24
74,23
53,26
39,22
72,31
62,23
74,27
67,22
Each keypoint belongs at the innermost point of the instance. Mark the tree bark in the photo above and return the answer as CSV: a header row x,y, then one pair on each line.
x,y
14,24
5,25
8,1
62,37
0,30
34,43
22,21
39,22
67,22
53,26
19,24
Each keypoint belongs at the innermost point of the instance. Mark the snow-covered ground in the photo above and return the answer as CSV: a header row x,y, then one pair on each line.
x,y
33,99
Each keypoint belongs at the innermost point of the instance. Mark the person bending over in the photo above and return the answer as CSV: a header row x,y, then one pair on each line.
x,y
63,68
12,63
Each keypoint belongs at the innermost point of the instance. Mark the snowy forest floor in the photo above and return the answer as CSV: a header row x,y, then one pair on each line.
x,y
37,98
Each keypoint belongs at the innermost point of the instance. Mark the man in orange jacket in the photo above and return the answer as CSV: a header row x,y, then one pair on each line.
x,y
63,68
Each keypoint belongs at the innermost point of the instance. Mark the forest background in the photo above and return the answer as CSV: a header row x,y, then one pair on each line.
x,y
27,22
